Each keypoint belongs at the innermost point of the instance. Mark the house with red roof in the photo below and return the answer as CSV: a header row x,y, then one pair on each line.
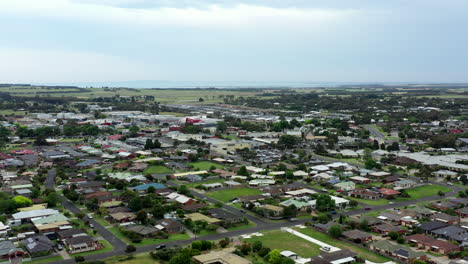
x,y
389,193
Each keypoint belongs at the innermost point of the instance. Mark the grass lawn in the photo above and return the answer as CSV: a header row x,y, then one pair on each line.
x,y
46,260
205,165
107,247
227,195
157,169
370,202
287,241
101,221
147,241
363,253
143,258
233,137
424,191
249,225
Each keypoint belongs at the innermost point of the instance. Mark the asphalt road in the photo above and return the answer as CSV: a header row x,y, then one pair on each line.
x,y
374,132
106,234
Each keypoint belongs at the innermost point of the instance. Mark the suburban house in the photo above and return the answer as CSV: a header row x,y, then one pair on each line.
x,y
227,218
357,236
144,231
38,245
169,226
399,252
8,250
78,244
220,257
364,194
343,256
431,244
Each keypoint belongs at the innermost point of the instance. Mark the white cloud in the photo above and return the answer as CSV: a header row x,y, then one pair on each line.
x,y
212,16
25,65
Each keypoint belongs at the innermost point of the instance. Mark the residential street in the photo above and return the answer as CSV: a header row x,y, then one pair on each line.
x,y
261,225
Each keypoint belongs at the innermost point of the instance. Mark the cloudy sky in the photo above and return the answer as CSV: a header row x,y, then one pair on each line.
x,y
69,41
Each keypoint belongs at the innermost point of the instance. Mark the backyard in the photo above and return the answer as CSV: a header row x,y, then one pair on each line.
x,y
287,241
370,202
228,195
156,169
205,165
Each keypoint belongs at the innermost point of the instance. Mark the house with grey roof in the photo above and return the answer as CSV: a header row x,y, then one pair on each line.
x,y
38,245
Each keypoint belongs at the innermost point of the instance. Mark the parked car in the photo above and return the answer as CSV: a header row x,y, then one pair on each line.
x,y
367,208
292,219
89,216
59,246
158,247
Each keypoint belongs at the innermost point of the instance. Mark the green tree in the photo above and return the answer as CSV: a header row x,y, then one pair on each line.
x,y
22,201
183,257
221,126
324,202
149,144
335,231
274,257
243,171
52,199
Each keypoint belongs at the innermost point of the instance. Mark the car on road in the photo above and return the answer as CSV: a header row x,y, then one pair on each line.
x,y
292,219
158,247
449,183
91,225
367,208
391,203
89,216
242,211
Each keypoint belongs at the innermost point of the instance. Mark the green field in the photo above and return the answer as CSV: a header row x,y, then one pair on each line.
x,y
156,169
161,95
363,253
287,241
370,202
205,165
239,227
228,195
424,191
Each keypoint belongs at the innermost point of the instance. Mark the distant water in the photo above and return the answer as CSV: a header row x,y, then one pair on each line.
x,y
145,84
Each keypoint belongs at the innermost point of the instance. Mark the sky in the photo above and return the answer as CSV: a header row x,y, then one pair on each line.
x,y
249,41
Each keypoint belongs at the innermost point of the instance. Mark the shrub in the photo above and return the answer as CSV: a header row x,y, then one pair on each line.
x,y
130,248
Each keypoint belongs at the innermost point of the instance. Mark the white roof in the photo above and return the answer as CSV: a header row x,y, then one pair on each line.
x,y
287,253
344,260
34,213
300,173
320,168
